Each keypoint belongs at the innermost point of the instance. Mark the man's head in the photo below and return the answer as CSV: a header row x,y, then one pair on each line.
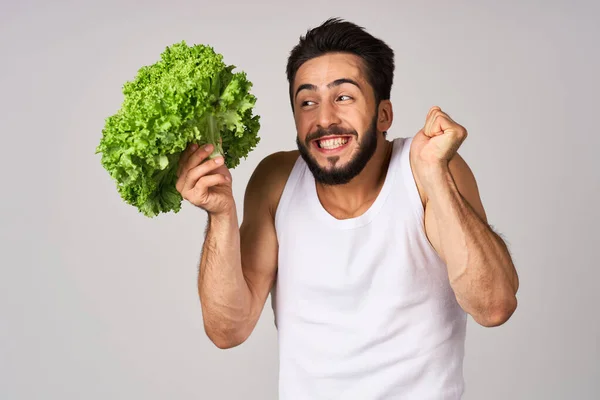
x,y
340,81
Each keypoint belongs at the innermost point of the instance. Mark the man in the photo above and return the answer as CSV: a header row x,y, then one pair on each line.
x,y
375,250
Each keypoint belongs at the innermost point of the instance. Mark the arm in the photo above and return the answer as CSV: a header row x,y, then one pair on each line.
x,y
480,268
238,266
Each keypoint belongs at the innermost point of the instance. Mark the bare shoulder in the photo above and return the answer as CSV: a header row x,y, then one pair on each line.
x,y
269,178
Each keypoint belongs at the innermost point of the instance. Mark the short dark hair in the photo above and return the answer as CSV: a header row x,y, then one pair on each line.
x,y
339,36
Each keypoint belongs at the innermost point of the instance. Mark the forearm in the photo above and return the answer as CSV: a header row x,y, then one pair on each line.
x,y
224,294
480,268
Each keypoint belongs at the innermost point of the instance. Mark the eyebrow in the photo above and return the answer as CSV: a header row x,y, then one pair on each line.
x,y
337,82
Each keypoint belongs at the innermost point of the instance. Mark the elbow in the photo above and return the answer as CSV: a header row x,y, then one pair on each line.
x,y
225,330
498,314
226,338
225,343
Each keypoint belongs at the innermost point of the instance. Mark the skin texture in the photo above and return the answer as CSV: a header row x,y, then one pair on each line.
x,y
239,262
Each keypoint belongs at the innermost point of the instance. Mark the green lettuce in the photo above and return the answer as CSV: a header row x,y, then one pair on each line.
x,y
188,96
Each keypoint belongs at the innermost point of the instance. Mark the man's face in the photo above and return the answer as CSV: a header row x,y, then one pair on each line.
x,y
336,118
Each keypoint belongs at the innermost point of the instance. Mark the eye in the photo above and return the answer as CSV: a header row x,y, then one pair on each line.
x,y
307,103
344,98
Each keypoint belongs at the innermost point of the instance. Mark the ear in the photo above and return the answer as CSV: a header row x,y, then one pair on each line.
x,y
385,116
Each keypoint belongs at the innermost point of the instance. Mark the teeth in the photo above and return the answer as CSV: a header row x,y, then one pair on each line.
x,y
330,144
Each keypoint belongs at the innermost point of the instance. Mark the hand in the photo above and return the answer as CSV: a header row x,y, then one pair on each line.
x,y
438,141
206,183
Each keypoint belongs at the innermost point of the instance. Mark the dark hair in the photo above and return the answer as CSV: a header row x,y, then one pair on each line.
x,y
338,36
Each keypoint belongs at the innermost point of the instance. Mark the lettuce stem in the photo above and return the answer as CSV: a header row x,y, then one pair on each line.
x,y
213,136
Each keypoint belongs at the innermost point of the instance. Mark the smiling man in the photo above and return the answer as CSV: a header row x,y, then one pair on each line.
x,y
374,250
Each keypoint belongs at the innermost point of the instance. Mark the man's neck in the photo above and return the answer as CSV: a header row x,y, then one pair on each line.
x,y
354,198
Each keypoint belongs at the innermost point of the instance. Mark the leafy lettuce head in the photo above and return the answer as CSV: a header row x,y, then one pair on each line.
x,y
188,96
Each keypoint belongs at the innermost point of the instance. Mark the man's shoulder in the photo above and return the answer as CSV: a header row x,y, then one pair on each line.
x,y
281,161
270,176
276,167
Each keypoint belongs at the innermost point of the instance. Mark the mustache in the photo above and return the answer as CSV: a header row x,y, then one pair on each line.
x,y
333,131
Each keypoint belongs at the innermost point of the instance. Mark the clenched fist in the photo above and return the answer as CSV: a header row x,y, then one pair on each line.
x,y
438,141
204,182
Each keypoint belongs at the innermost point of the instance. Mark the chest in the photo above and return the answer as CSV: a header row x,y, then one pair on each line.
x,y
351,271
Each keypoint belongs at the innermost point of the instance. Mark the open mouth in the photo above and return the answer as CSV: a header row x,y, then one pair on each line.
x,y
330,143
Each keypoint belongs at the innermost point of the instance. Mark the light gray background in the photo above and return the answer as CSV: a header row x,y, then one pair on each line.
x,y
99,302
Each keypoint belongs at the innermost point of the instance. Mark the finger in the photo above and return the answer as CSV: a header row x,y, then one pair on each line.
x,y
431,111
445,114
184,164
436,127
208,181
435,111
195,159
196,173
198,156
200,190
181,172
430,114
433,126
191,147
443,124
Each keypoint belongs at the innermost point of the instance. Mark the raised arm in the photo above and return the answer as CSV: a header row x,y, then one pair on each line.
x,y
480,268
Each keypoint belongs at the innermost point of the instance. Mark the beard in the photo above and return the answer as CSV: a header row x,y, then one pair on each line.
x,y
344,174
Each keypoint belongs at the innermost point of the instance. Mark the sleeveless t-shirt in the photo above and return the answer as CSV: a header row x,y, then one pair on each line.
x,y
363,306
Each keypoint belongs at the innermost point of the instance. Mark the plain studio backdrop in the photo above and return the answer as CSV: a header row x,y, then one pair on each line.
x,y
99,302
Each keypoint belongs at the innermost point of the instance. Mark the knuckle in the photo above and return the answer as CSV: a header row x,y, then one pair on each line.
x,y
192,175
197,173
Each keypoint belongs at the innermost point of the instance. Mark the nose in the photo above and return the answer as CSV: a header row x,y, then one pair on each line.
x,y
327,115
